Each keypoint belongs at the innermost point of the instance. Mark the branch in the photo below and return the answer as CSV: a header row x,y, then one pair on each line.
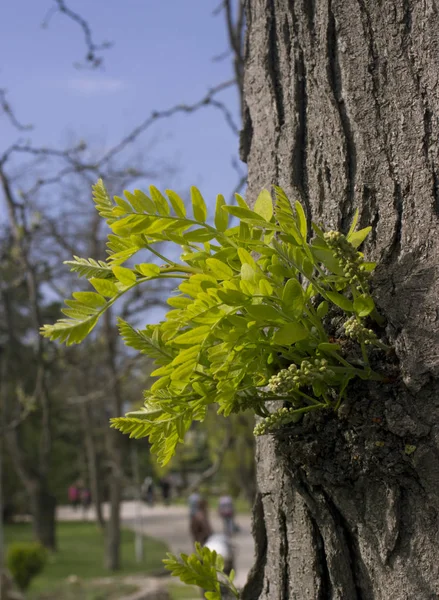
x,y
6,108
164,114
215,467
91,57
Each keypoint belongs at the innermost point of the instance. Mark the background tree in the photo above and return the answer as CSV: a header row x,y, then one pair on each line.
x,y
341,111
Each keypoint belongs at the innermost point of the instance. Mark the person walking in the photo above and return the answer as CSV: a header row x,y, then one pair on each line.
x,y
200,526
226,511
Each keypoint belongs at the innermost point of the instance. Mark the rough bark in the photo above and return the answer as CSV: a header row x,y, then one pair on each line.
x,y
342,111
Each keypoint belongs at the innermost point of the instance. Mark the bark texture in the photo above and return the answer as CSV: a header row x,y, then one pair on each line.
x,y
342,111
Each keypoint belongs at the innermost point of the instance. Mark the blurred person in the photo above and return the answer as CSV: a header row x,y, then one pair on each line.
x,y
226,511
85,497
165,484
148,491
74,495
200,526
193,502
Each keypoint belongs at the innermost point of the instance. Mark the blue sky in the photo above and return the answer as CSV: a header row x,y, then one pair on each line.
x,y
162,55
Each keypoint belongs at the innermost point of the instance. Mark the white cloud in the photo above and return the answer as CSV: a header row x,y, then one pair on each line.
x,y
93,86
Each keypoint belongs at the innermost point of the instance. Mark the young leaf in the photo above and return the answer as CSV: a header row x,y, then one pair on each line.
x,y
177,203
193,336
301,220
105,287
290,334
90,299
198,205
219,269
264,205
341,301
124,275
358,237
353,224
221,217
159,200
292,295
363,305
148,269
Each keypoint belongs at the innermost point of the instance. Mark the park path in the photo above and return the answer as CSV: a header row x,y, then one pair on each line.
x,y
171,524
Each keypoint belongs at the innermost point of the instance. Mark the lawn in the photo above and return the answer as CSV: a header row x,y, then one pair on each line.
x,y
81,553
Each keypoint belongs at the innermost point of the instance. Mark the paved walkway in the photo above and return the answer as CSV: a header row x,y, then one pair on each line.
x,y
171,524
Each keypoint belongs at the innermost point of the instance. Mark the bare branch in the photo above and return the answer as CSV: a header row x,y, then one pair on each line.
x,y
91,58
164,114
216,465
6,108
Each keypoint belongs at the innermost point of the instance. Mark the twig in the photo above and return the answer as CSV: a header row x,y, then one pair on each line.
x,y
6,107
91,57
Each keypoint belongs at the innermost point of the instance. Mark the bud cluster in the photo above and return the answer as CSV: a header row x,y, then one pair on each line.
x,y
348,258
295,377
358,332
280,417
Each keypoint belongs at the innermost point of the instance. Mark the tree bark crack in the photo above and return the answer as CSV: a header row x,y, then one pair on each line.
x,y
335,82
299,172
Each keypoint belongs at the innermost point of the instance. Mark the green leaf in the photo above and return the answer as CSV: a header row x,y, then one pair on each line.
x,y
232,297
301,220
219,269
221,217
264,205
322,309
265,288
328,348
363,305
105,287
90,299
124,275
69,331
244,213
87,267
198,205
353,224
358,237
246,258
264,313
148,269
143,202
292,296
177,203
103,203
193,336
341,301
290,334
159,200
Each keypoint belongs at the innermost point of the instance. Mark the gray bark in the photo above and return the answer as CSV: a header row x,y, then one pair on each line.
x,y
342,111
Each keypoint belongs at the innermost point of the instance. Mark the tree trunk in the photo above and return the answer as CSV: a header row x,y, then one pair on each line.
x,y
342,111
92,462
43,507
112,557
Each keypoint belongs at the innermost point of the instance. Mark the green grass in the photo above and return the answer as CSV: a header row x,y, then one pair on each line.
x,y
81,553
86,590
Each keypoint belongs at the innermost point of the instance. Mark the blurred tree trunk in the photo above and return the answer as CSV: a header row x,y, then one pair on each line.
x,y
114,441
35,481
43,506
92,462
342,111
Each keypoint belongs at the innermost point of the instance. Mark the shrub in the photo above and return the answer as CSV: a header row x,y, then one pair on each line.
x,y
25,560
